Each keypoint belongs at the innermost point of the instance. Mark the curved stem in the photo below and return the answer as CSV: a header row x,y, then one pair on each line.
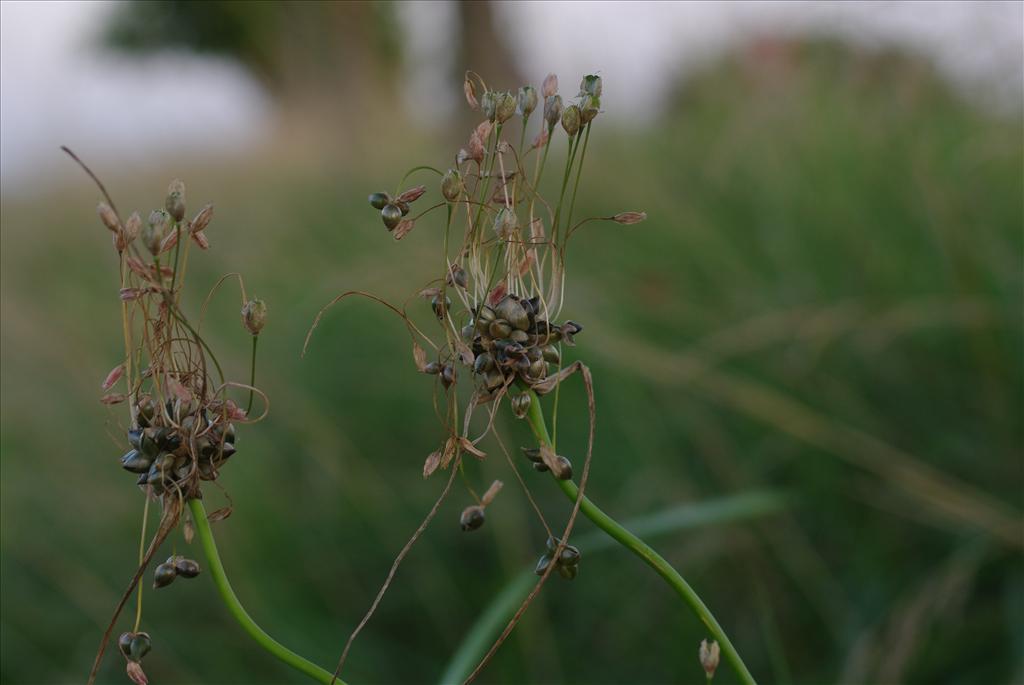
x,y
684,517
235,607
640,548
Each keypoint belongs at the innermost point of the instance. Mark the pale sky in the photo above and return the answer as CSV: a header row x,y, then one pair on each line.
x,y
56,86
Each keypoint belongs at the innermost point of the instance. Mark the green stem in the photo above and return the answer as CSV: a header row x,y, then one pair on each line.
x,y
238,611
684,517
644,551
252,373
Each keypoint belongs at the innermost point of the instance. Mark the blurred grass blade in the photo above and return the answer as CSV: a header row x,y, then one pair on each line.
x,y
684,517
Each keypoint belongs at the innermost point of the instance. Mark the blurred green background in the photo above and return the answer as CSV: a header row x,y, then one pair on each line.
x,y
824,302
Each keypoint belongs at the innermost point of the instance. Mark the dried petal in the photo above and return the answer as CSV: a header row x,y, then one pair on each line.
x,y
428,293
431,464
202,219
131,293
498,294
233,411
219,515
629,218
136,674
112,377
492,492
403,228
132,227
113,398
470,90
419,356
468,445
541,140
412,194
449,452
550,85
179,390
170,241
108,217
200,239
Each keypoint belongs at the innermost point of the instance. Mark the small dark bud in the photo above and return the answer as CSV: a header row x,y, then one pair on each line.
x,y
447,376
483,363
391,215
568,572
186,568
432,368
164,574
526,101
457,276
472,518
175,202
451,185
570,556
124,643
440,306
562,468
521,405
254,316
379,200
542,564
139,646
571,120
552,110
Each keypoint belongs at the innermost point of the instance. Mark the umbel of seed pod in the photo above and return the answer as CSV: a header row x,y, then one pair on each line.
x,y
567,563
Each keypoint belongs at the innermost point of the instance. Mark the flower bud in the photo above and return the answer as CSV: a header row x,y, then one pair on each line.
x,y
505,223
175,202
154,231
571,120
254,316
550,86
504,107
629,218
526,101
488,104
552,110
132,227
451,185
590,106
108,217
709,655
591,85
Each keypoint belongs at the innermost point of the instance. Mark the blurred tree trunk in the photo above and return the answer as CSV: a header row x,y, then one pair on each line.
x,y
483,47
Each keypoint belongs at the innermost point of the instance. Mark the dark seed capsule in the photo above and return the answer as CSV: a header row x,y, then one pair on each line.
x,y
542,564
124,643
139,647
532,453
483,363
457,276
135,438
164,575
378,200
447,376
552,543
522,364
472,518
500,328
433,368
538,369
568,572
187,568
136,462
512,311
391,215
227,451
468,331
403,207
521,405
562,468
143,479
570,556
551,354
440,306
518,336
494,379
540,467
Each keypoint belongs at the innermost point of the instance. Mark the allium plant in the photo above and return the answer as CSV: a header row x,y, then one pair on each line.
x,y
499,339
